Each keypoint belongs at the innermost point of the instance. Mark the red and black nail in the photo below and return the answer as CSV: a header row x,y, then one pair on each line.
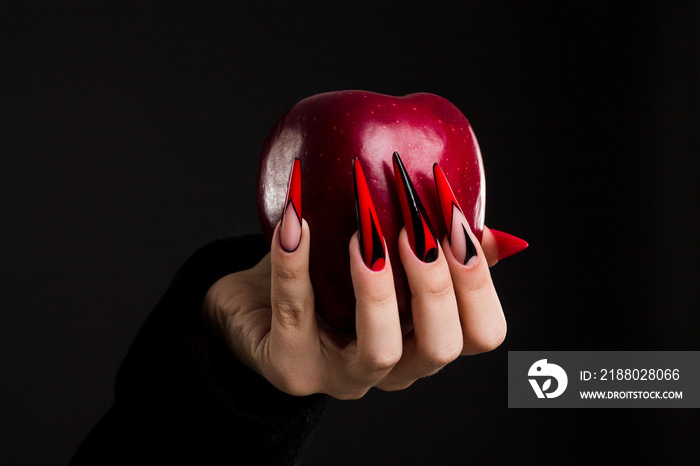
x,y
370,232
455,222
290,229
508,244
420,232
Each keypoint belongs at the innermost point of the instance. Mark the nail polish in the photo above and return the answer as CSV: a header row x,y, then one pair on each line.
x,y
370,232
455,222
508,244
290,229
420,232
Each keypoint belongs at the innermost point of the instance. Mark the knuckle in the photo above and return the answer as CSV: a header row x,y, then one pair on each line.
x,y
395,386
289,313
286,274
439,288
354,394
382,361
488,340
238,324
291,384
441,355
378,298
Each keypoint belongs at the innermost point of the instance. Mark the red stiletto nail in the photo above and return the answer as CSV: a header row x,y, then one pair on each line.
x,y
290,229
508,244
420,232
371,239
455,222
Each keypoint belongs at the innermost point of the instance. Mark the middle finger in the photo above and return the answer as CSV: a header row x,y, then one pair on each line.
x,y
436,339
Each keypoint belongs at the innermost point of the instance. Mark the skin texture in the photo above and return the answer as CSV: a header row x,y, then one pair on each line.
x,y
267,319
326,132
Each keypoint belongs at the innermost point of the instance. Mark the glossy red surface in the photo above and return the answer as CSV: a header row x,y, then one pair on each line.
x,y
326,132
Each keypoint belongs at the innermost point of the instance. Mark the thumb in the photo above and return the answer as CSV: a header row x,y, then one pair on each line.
x,y
292,296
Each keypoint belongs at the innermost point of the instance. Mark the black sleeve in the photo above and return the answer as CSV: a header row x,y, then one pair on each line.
x,y
172,404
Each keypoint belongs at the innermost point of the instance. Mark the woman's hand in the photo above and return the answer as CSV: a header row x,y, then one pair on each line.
x,y
267,319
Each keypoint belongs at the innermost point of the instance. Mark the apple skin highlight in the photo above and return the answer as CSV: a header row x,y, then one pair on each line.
x,y
326,132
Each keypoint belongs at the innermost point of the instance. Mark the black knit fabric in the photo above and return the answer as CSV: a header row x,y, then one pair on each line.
x,y
173,404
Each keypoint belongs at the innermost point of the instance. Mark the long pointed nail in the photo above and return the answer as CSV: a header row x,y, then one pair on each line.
x,y
455,222
420,232
371,239
290,229
508,244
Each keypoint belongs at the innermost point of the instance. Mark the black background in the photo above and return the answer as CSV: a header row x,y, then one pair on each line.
x,y
130,137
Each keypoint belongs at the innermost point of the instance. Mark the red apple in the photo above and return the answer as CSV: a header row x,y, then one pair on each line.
x,y
326,131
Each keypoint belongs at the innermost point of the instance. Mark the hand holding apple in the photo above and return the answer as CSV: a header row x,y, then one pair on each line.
x,y
267,315
326,132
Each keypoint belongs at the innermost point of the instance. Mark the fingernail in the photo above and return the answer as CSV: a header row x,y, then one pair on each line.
x,y
420,232
455,222
290,229
371,239
508,244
